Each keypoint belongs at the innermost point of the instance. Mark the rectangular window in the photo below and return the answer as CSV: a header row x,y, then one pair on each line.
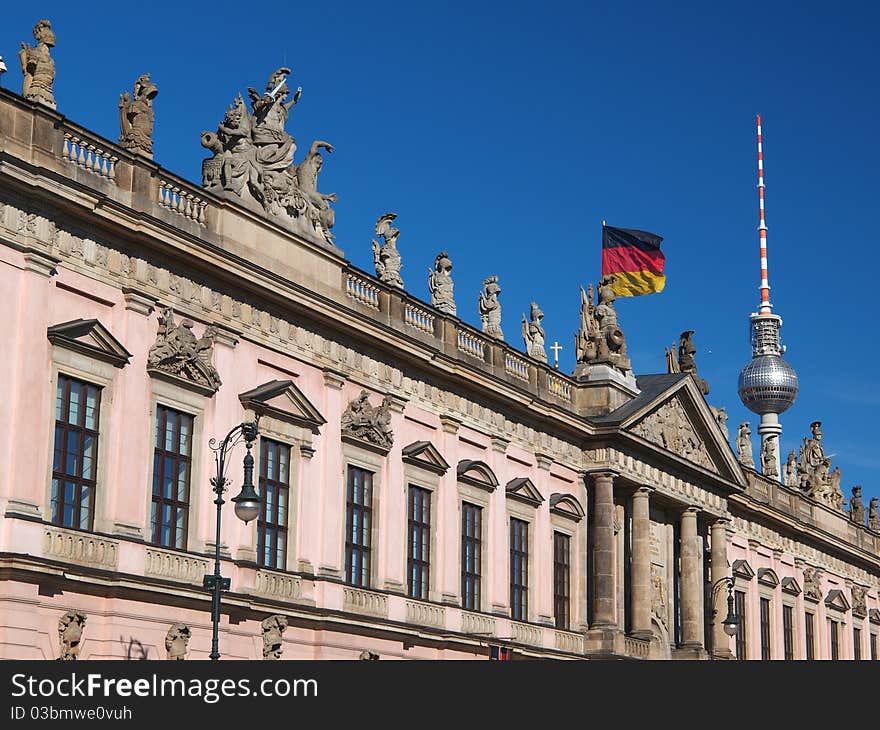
x,y
788,631
519,569
739,603
765,628
561,579
857,644
418,562
358,523
172,458
810,635
275,490
832,632
75,457
873,638
471,548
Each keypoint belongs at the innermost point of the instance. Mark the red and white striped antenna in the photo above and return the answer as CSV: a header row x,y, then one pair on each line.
x,y
766,307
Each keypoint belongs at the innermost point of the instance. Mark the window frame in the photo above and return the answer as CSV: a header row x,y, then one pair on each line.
x,y
477,542
740,602
370,530
809,635
160,456
789,629
419,532
56,514
519,580
765,608
264,526
833,638
563,598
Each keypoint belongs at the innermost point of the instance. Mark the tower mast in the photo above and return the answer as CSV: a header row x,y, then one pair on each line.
x,y
768,385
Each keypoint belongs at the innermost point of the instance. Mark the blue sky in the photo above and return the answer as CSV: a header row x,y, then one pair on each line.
x,y
505,132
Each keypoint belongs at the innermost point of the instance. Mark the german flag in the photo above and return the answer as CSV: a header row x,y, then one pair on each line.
x,y
635,260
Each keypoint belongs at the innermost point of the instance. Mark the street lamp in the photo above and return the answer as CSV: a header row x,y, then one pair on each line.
x,y
247,508
731,621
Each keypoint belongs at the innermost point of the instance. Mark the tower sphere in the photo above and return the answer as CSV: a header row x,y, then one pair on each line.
x,y
768,384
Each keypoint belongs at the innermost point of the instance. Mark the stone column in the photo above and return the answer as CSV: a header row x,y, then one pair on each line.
x,y
640,569
718,570
604,615
691,582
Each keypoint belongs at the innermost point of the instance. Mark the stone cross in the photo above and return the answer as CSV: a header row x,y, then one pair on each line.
x,y
556,347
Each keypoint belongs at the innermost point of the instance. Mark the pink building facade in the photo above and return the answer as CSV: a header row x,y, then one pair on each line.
x,y
477,498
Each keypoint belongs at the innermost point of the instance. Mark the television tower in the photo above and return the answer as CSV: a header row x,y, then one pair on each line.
x,y
768,385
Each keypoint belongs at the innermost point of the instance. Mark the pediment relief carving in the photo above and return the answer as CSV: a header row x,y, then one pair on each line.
x,y
178,355
89,337
368,425
283,400
477,474
425,455
671,428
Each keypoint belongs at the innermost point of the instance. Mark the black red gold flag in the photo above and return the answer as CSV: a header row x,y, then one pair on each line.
x,y
635,260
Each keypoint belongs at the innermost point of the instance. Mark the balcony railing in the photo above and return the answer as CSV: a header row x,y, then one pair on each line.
x,y
178,199
88,155
471,345
362,290
420,319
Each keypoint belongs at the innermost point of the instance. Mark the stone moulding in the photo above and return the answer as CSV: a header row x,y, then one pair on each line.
x,y
177,566
81,548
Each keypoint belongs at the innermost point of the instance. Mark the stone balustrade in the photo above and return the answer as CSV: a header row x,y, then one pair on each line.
x,y
178,199
471,345
568,641
420,319
425,614
516,366
277,585
558,386
477,624
177,566
361,290
81,548
88,155
358,600
635,648
526,634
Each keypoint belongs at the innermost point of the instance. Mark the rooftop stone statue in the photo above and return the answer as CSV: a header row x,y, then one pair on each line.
x,y
600,341
37,66
490,307
386,257
533,333
685,361
253,162
440,284
136,117
744,446
70,629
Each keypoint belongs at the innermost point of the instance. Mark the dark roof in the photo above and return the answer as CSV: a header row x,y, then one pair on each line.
x,y
651,387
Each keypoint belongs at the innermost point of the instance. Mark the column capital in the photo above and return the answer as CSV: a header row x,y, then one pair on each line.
x,y
691,511
601,472
721,522
644,490
334,380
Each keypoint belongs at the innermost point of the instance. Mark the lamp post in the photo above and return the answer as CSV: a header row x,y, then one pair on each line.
x,y
247,507
731,621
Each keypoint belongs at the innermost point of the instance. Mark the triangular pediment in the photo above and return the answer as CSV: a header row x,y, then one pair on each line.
x,y
742,569
680,422
768,577
523,489
90,337
477,474
283,400
791,586
425,455
874,615
565,505
836,599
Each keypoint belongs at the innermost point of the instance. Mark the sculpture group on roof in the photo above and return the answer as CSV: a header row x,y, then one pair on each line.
x,y
386,257
254,160
600,341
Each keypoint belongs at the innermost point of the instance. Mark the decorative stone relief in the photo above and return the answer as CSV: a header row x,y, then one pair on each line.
x,y
533,333
273,628
744,446
367,655
440,284
670,427
136,116
658,594
859,604
386,257
178,352
813,583
70,630
177,641
362,421
37,66
490,307
253,161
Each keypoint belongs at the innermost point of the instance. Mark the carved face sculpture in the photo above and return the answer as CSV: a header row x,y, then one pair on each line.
x,y
44,34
